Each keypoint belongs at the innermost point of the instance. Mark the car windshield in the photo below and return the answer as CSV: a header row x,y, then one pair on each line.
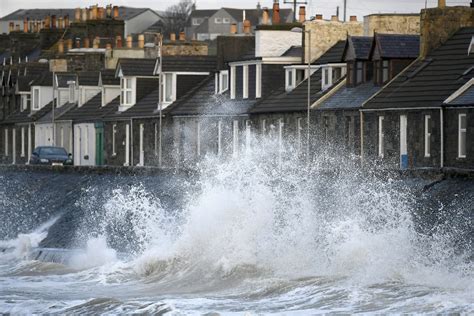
x,y
53,151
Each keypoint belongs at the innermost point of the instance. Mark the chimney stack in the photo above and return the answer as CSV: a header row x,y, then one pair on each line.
x,y
302,14
77,15
182,36
141,41
265,16
233,28
353,18
94,11
87,42
441,4
247,27
172,37
129,41
61,46
276,12
26,25
118,41
116,12
319,17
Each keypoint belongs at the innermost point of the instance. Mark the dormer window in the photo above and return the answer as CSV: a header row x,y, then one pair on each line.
x,y
169,89
72,91
36,99
331,74
294,76
127,95
359,72
25,101
385,71
223,81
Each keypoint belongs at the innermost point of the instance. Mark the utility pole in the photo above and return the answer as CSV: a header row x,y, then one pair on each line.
x,y
345,10
295,4
337,12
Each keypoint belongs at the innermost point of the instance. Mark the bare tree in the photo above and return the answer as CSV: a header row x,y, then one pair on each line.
x,y
176,16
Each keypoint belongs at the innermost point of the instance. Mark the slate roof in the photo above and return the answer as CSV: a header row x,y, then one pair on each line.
x,y
63,78
45,79
293,51
202,100
427,83
91,111
108,78
88,78
347,98
333,55
142,67
58,112
397,46
36,68
189,63
145,107
466,98
27,116
24,83
359,47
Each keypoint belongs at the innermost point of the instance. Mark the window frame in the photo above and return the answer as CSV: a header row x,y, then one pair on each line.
x,y
125,90
172,98
428,127
381,137
222,74
462,131
25,101
218,20
36,104
225,20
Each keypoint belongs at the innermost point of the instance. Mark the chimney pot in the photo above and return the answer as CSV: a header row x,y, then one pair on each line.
x,y
108,46
247,27
69,44
87,42
53,22
233,28
61,46
116,12
129,41
319,16
78,42
302,14
77,15
94,12
84,15
66,21
100,13
334,18
26,25
441,4
276,12
96,42
141,41
265,16
353,18
108,11
182,36
47,22
60,23
172,37
118,41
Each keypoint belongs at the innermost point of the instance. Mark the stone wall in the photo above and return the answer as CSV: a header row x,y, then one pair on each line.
x,y
438,24
325,34
391,24
193,48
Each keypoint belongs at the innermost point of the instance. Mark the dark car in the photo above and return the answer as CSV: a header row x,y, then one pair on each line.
x,y
48,155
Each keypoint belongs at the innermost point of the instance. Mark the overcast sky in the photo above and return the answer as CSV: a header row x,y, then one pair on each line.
x,y
326,7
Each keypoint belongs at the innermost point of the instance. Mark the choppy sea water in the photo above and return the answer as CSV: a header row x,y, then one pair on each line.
x,y
246,236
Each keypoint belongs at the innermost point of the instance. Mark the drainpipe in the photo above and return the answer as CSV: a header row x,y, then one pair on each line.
x,y
361,137
131,143
441,119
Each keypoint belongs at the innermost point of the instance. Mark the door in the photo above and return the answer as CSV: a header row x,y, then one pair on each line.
x,y
403,142
99,144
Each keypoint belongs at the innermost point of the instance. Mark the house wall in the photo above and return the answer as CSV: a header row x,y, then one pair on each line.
x,y
451,139
46,96
325,34
63,96
86,93
391,24
273,77
116,158
6,157
273,43
109,93
140,23
415,138
221,28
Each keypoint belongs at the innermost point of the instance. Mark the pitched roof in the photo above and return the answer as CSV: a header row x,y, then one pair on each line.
x,y
333,55
58,112
349,97
202,100
45,79
465,98
255,15
293,51
397,45
428,82
139,67
107,77
64,78
358,47
91,111
88,78
189,63
24,83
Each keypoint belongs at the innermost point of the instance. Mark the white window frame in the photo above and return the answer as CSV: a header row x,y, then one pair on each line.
x,y
225,20
197,21
127,145
381,137
245,82
223,78
258,81
290,79
72,91
6,142
462,131
125,89
25,98
22,153
173,88
218,20
114,132
36,102
232,82
428,123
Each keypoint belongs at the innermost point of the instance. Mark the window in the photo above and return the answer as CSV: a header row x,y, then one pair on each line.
x,y
245,82
223,81
168,88
36,99
25,102
385,71
22,142
350,74
290,84
126,96
381,137
232,82
326,76
359,72
218,20
6,142
197,21
462,136
226,20
427,135
114,132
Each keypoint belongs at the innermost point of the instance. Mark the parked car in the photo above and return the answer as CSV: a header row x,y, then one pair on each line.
x,y
49,155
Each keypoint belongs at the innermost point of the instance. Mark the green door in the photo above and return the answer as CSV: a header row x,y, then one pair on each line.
x,y
99,144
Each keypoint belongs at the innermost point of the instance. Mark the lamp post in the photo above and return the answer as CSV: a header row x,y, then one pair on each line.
x,y
52,118
300,30
160,95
